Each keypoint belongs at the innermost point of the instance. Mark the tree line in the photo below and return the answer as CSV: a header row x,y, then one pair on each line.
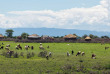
x,y
9,34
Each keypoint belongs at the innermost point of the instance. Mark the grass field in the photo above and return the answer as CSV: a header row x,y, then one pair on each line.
x,y
59,63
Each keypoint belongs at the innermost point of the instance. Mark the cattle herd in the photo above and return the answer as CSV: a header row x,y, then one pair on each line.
x,y
19,47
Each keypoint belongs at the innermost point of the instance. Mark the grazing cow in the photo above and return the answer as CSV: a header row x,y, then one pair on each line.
x,y
106,48
72,52
2,47
26,47
48,46
78,53
50,54
93,56
82,53
20,47
8,45
17,47
40,44
10,53
68,54
41,47
6,48
32,47
47,57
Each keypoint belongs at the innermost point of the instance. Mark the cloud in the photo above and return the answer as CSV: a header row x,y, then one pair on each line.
x,y
74,18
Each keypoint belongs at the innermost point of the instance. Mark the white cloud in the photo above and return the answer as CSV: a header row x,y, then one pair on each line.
x,y
74,18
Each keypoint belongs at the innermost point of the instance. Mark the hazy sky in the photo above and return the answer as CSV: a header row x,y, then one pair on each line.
x,y
68,14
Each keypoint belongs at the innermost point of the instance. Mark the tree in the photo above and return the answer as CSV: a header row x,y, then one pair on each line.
x,y
96,37
9,32
106,37
84,36
24,35
91,36
74,34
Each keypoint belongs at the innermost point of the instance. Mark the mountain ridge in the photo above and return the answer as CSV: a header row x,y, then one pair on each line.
x,y
53,31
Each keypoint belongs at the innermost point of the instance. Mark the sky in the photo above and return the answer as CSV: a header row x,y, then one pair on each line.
x,y
66,14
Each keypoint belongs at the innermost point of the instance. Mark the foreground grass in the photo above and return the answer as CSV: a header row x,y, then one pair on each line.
x,y
59,63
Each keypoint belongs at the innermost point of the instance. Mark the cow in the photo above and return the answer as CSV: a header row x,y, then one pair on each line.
x,y
50,54
72,52
93,56
106,48
68,54
41,47
32,47
26,47
10,53
48,46
6,48
78,53
82,53
8,45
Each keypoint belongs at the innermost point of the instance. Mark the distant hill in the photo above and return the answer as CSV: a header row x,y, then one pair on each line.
x,y
53,31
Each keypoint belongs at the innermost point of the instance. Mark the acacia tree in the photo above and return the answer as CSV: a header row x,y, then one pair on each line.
x,y
9,33
24,35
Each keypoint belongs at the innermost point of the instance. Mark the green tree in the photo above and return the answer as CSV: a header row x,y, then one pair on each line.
x,y
24,35
9,33
84,36
106,37
75,34
96,36
91,36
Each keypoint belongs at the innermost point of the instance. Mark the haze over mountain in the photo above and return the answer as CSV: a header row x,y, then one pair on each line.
x,y
53,31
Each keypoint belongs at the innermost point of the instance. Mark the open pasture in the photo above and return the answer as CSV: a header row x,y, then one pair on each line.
x,y
59,63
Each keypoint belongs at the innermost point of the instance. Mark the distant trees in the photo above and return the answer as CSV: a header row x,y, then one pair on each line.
x,y
84,36
106,37
90,35
9,33
93,36
24,35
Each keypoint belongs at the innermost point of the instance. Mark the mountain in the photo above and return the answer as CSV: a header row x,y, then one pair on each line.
x,y
54,32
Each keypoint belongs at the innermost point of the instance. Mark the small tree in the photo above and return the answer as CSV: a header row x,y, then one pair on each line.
x,y
24,35
9,33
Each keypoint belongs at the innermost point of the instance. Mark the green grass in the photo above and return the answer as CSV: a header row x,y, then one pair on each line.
x,y
59,62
